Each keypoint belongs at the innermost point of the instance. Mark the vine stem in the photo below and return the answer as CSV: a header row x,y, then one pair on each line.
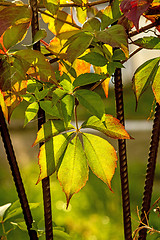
x,y
123,157
41,120
150,172
17,176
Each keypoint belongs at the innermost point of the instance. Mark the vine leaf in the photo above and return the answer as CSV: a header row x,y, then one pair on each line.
x,y
105,86
50,153
31,112
115,36
101,157
144,76
51,128
73,171
91,25
95,59
133,9
156,85
148,42
14,15
52,5
113,128
50,109
87,78
92,102
67,106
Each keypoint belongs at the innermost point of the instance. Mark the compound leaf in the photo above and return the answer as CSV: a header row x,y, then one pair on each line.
x,y
31,112
67,106
101,157
86,78
50,153
50,129
73,171
95,59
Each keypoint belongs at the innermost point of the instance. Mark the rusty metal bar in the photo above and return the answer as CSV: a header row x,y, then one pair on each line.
x,y
150,172
41,120
123,158
17,176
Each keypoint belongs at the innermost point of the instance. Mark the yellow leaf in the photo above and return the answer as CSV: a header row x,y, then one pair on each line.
x,y
3,105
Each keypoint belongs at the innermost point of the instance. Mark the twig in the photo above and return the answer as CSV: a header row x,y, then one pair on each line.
x,y
143,29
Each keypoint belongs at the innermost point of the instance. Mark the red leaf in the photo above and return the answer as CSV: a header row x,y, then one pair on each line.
x,y
133,9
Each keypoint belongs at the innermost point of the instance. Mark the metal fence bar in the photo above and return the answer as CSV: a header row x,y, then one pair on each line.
x,y
123,158
17,176
150,172
41,120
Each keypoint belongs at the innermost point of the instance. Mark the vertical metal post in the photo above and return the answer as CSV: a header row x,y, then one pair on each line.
x,y
123,158
41,120
17,176
150,172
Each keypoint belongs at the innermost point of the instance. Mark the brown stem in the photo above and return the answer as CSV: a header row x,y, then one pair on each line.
x,y
150,172
41,120
17,176
123,158
143,29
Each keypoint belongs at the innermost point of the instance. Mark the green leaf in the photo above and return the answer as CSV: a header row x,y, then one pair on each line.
x,y
118,55
41,94
95,59
14,34
101,157
49,108
111,67
73,171
50,129
144,75
29,98
78,45
31,112
87,78
67,106
67,86
57,94
37,60
60,235
112,128
13,15
81,14
52,6
92,102
148,42
156,85
110,14
20,223
3,209
91,25
16,209
70,69
115,36
50,153
40,34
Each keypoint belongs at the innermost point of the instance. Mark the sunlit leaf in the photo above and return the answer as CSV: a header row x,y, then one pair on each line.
x,y
91,25
3,209
110,14
101,157
60,235
112,128
13,15
59,24
92,102
114,36
57,94
95,59
148,42
52,5
14,35
78,45
41,94
16,209
3,105
87,78
67,85
36,60
144,75
49,108
133,9
67,106
50,153
50,129
105,86
31,112
81,14
73,171
156,85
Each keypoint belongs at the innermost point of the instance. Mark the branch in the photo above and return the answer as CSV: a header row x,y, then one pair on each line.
x,y
143,29
91,4
56,18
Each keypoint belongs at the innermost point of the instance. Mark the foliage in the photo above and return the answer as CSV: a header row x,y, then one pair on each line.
x,y
99,40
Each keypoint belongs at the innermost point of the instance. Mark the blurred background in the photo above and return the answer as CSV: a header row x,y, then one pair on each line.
x,y
95,213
